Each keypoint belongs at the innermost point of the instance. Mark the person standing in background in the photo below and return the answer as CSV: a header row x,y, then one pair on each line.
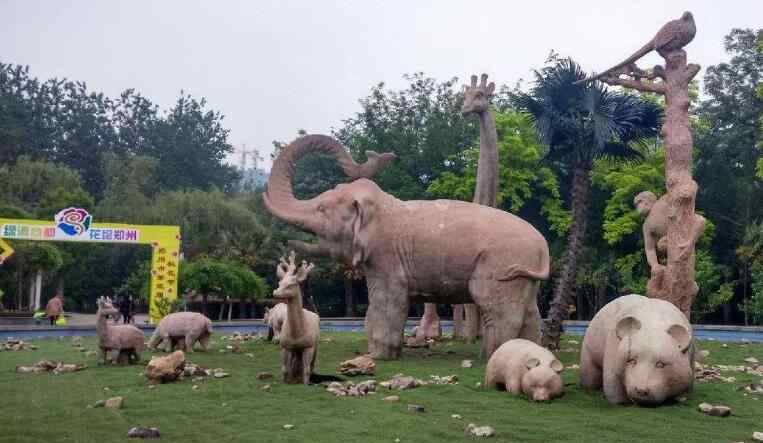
x,y
55,307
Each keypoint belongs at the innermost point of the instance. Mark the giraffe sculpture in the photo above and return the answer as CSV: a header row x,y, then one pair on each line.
x,y
477,101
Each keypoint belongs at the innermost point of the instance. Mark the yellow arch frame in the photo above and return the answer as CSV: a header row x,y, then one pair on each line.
x,y
164,242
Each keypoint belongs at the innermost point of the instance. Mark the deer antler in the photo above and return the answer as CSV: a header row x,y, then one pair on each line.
x,y
304,270
282,268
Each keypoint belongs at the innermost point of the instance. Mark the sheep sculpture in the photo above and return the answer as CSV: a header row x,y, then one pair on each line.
x,y
182,330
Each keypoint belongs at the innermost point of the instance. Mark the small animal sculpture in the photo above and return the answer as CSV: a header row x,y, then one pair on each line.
x,y
275,319
673,36
125,343
182,330
301,330
639,350
656,227
522,366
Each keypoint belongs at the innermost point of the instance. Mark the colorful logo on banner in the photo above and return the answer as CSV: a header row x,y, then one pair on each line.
x,y
73,221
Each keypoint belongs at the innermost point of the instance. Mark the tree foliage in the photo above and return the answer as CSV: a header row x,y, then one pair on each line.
x,y
521,176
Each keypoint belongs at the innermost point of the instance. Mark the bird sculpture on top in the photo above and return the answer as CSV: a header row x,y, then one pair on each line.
x,y
673,36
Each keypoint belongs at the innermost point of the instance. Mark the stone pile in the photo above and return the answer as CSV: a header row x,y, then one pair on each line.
x,y
363,365
402,382
16,345
443,380
350,389
49,366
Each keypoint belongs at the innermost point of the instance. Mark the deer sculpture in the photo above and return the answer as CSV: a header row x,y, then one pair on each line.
x,y
117,343
301,329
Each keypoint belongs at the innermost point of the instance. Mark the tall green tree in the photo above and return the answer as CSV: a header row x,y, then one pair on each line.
x,y
726,139
580,124
422,124
521,178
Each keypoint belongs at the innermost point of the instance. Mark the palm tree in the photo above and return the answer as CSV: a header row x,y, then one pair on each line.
x,y
580,124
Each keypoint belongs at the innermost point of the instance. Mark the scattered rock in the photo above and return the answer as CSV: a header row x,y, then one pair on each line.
x,y
724,345
49,366
219,373
266,388
715,411
745,341
466,363
403,382
151,386
194,370
350,389
681,399
143,433
751,360
264,375
456,416
249,354
114,403
757,436
287,427
573,342
415,408
16,345
195,387
478,384
165,369
479,431
754,388
99,404
363,365
703,354
575,366
444,380
392,398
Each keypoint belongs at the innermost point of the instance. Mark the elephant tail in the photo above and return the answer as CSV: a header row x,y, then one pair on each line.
x,y
516,271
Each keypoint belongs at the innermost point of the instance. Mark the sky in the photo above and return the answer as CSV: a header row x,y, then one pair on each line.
x,y
273,67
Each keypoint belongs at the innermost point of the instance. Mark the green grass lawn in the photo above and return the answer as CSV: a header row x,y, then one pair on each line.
x,y
53,408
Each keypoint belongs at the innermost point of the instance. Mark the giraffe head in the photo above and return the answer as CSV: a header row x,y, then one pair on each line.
x,y
477,97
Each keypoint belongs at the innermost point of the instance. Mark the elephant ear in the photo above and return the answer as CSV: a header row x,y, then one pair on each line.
x,y
360,231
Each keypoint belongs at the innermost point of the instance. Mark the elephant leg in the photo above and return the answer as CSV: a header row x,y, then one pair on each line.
x,y
387,312
472,323
502,306
531,326
458,321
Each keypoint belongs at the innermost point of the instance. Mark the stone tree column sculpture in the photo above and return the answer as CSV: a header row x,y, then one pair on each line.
x,y
674,282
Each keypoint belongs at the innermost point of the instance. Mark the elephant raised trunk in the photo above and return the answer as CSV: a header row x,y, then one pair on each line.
x,y
279,197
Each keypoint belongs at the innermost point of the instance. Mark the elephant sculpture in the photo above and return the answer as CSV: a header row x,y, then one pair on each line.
x,y
439,251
